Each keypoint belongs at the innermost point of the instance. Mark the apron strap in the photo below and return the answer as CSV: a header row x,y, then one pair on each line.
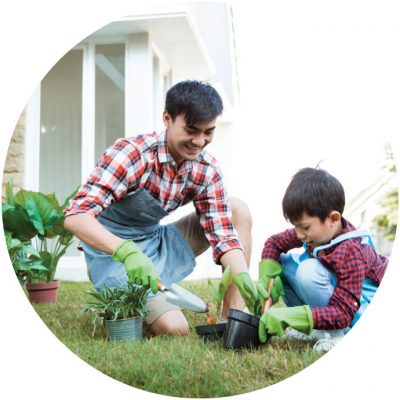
x,y
363,233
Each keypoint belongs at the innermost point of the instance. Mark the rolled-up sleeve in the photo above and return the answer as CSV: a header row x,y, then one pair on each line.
x,y
115,172
215,217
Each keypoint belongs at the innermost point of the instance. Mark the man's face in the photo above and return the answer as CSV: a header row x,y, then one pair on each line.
x,y
314,232
186,142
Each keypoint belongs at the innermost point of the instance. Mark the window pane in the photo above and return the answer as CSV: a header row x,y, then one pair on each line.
x,y
60,129
110,95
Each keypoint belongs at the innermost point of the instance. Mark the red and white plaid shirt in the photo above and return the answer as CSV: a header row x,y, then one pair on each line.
x,y
351,262
144,161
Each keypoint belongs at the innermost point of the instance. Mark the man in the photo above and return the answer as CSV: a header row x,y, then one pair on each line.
x,y
140,180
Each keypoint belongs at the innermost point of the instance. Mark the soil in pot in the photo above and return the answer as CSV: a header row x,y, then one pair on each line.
x,y
129,330
241,331
43,292
212,332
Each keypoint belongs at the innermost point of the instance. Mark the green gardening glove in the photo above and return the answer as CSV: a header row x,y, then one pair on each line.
x,y
269,268
275,289
275,320
247,289
139,267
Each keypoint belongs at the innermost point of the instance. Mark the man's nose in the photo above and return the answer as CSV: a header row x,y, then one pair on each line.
x,y
199,141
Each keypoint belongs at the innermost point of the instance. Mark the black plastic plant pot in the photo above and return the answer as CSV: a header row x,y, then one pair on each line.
x,y
241,331
211,333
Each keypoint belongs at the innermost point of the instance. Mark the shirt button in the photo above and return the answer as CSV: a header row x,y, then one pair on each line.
x,y
355,303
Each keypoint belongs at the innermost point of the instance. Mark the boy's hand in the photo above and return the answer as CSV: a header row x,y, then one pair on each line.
x,y
275,320
276,289
247,289
139,267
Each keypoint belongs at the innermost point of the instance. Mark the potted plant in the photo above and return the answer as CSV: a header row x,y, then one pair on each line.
x,y
214,330
33,216
242,328
121,309
25,259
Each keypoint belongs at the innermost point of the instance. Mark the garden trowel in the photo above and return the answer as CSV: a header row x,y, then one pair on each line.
x,y
182,298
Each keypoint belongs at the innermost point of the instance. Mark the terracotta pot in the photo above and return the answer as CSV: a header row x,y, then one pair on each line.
x,y
43,292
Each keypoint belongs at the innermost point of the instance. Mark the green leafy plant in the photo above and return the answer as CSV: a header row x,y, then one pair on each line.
x,y
28,216
387,220
117,303
217,294
25,259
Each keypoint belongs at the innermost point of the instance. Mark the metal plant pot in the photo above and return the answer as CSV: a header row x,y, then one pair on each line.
x,y
129,330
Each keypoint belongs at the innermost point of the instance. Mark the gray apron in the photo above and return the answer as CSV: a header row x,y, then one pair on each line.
x,y
137,217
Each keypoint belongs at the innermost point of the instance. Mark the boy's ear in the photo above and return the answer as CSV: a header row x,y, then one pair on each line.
x,y
335,217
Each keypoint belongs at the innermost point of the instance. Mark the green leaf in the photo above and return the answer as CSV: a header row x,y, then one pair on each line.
x,y
212,290
224,283
5,207
16,220
48,214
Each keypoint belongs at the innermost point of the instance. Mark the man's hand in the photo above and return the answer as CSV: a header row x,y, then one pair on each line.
x,y
139,267
275,320
247,289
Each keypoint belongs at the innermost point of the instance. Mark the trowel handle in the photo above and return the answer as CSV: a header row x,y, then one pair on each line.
x,y
160,286
268,302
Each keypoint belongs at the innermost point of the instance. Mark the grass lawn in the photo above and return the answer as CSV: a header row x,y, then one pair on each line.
x,y
173,366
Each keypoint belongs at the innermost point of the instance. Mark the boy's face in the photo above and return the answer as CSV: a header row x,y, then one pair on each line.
x,y
186,142
314,232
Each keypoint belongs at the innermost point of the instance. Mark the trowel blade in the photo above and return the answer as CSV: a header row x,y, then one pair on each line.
x,y
183,298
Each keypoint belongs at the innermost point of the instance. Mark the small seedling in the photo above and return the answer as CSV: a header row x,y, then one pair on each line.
x,y
218,294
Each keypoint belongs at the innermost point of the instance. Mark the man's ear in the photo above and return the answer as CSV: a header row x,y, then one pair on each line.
x,y
335,217
166,119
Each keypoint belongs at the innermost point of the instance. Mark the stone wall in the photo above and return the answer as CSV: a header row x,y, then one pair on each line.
x,y
14,164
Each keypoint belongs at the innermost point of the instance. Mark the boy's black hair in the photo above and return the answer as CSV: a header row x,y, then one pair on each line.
x,y
315,192
197,101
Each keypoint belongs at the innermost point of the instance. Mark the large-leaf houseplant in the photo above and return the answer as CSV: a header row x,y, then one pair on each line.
x,y
37,219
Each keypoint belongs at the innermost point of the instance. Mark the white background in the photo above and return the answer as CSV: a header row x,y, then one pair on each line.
x,y
319,80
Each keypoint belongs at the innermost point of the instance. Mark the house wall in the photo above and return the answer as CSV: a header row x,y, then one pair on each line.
x,y
14,164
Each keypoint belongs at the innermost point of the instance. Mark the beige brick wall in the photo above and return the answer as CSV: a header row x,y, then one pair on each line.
x,y
14,164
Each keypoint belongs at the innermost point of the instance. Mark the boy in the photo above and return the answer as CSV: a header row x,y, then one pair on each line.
x,y
329,285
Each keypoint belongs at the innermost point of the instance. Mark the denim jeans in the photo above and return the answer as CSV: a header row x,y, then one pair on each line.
x,y
308,281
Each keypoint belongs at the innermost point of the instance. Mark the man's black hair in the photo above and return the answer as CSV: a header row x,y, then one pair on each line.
x,y
315,192
197,101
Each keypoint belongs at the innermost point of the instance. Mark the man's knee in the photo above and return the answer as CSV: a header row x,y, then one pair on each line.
x,y
170,323
240,212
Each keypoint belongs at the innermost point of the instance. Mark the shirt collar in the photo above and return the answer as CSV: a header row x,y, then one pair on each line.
x,y
165,157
